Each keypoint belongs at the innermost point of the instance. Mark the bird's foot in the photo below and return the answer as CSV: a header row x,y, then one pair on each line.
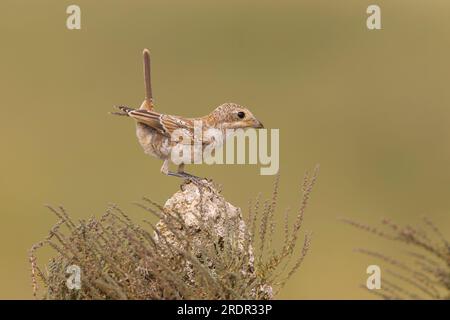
x,y
198,181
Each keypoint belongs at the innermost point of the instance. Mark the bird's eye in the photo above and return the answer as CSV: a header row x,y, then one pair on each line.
x,y
241,115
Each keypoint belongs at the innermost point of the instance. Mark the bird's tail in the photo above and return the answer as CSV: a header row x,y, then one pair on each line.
x,y
123,111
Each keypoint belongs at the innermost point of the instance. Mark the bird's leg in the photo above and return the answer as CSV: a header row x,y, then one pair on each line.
x,y
188,175
180,173
165,170
180,170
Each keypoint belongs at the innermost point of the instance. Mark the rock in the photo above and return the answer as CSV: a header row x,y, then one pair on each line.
x,y
212,225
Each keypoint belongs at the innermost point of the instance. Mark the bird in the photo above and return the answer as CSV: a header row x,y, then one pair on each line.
x,y
154,130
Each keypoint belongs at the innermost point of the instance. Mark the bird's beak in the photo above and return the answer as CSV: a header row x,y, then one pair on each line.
x,y
258,125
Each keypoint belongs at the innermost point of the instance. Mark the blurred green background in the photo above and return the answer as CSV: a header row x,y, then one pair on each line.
x,y
372,107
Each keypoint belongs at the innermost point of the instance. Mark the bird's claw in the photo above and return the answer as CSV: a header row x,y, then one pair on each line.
x,y
198,181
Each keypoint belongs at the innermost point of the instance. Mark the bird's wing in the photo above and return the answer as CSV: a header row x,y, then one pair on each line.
x,y
171,123
164,124
150,118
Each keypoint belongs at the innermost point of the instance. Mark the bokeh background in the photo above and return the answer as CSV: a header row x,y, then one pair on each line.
x,y
372,107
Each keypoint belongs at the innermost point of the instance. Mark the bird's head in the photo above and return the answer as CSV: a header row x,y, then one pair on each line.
x,y
234,116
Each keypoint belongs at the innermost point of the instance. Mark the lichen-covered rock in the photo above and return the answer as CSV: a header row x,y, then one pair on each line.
x,y
204,212
202,206
216,231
